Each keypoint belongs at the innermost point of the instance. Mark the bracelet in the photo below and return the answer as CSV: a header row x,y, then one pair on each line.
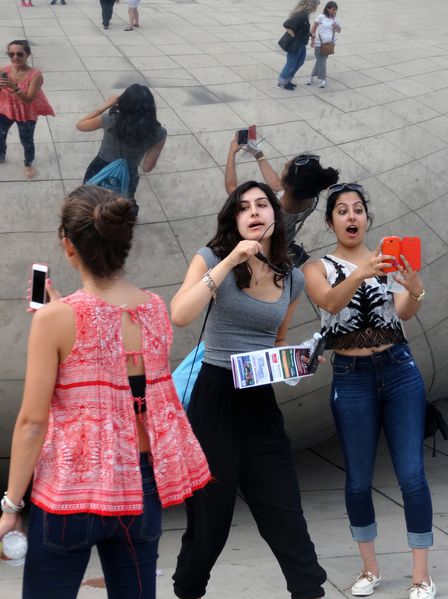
x,y
419,297
208,280
260,158
9,507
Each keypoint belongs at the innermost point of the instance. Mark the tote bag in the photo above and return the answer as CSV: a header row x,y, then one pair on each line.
x,y
114,176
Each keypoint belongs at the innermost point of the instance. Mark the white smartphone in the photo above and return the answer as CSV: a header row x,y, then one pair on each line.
x,y
39,274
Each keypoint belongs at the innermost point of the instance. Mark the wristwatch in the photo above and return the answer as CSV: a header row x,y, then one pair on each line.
x,y
419,297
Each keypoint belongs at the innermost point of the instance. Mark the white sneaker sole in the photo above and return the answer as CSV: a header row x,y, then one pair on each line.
x,y
362,593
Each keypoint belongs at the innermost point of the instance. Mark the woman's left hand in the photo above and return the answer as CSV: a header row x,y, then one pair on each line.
x,y
7,83
409,278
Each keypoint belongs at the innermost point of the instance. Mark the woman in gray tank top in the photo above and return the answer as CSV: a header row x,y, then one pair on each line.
x,y
242,431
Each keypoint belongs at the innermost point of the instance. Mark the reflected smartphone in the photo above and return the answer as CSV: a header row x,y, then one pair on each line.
x,y
318,350
38,295
252,132
391,246
4,75
243,136
411,249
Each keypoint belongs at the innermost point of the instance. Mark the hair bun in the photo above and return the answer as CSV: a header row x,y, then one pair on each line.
x,y
112,215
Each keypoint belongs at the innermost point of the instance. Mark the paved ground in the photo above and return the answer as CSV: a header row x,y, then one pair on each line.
x,y
212,65
247,569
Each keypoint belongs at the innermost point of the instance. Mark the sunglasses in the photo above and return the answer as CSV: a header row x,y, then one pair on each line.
x,y
18,54
337,187
305,159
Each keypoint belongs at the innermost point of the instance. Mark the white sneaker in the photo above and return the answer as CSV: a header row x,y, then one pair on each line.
x,y
323,83
423,590
365,583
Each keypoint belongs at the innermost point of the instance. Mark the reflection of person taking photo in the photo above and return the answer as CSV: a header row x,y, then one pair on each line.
x,y
22,101
297,188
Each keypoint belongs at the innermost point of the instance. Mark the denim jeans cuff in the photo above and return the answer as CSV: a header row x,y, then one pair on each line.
x,y
364,534
420,540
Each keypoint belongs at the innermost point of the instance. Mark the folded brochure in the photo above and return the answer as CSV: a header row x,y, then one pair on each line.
x,y
269,366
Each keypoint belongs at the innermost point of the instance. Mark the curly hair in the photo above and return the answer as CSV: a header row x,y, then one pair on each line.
x,y
227,235
307,6
309,179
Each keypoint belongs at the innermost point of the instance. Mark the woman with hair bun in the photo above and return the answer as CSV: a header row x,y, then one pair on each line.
x,y
131,131
297,187
100,424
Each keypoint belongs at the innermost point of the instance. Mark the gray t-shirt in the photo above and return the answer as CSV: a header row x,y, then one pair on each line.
x,y
111,149
239,322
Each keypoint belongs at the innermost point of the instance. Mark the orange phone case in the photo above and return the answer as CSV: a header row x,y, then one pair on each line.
x,y
411,249
391,246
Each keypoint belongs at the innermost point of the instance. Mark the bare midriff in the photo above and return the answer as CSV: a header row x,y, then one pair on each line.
x,y
362,351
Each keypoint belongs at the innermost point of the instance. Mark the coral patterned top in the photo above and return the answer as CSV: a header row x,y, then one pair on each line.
x,y
17,110
90,458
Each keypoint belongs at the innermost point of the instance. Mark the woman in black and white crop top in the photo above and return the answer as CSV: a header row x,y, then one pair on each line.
x,y
241,430
376,384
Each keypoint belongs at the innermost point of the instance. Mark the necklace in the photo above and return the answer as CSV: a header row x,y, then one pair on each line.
x,y
257,280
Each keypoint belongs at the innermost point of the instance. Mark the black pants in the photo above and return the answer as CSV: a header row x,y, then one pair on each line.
x,y
107,8
243,437
26,134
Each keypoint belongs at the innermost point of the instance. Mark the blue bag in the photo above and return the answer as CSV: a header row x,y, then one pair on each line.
x,y
185,375
114,176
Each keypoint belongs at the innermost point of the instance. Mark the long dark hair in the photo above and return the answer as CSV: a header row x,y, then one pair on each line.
x,y
136,120
227,235
308,180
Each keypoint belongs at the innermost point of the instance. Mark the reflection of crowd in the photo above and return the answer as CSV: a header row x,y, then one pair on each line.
x,y
100,424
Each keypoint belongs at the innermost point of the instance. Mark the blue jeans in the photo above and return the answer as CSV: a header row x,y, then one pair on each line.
x,y
60,546
382,391
26,134
294,60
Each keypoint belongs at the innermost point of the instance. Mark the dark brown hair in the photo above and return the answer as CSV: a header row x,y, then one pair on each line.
x,y
227,235
100,225
24,43
328,7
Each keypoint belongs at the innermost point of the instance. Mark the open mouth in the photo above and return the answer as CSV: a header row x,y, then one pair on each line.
x,y
254,225
352,230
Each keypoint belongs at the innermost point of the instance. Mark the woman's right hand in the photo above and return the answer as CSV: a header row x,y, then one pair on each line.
x,y
9,522
375,264
243,251
52,293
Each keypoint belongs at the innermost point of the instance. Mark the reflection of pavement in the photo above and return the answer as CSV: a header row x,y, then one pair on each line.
x,y
247,569
213,66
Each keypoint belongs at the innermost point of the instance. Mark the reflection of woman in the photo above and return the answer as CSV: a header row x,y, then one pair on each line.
x,y
22,101
100,422
254,303
131,131
107,9
324,28
297,187
376,383
298,27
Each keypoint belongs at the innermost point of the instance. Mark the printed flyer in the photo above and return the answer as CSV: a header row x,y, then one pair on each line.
x,y
269,366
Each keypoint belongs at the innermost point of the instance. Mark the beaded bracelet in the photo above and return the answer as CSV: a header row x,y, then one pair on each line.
x,y
208,280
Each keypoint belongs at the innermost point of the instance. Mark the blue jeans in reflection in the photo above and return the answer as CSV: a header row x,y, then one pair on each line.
x,y
294,60
59,549
382,391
